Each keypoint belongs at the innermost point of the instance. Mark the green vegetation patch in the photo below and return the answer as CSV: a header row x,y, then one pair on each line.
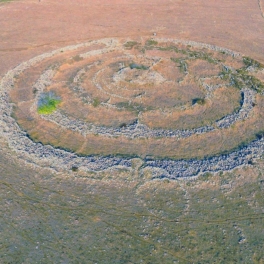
x,y
191,54
48,103
242,79
200,101
151,42
96,102
138,66
203,56
168,48
252,63
5,1
130,44
133,107
182,64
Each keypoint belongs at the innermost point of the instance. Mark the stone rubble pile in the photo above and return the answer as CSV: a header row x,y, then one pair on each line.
x,y
243,113
187,168
134,130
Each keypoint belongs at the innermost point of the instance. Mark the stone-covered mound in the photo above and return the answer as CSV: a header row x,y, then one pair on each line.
x,y
183,108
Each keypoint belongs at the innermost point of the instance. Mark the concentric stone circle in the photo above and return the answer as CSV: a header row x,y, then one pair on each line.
x,y
142,85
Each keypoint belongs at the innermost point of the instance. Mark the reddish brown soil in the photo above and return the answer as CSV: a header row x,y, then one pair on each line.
x,y
30,27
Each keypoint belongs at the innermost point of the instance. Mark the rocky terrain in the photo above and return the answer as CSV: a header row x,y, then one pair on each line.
x,y
59,207
45,155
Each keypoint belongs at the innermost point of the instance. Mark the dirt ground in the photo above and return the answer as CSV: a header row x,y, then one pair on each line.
x,y
29,28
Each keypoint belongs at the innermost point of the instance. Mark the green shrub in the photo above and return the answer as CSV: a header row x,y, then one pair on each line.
x,y
200,101
138,66
74,168
96,102
123,125
48,103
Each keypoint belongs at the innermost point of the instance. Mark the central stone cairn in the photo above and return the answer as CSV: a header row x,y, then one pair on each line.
x,y
183,108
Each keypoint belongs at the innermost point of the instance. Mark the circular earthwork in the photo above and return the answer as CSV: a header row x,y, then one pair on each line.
x,y
181,107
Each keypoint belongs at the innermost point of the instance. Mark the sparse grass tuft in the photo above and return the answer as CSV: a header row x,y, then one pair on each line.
x,y
96,102
77,58
133,107
151,42
6,1
130,44
242,79
182,64
252,63
169,48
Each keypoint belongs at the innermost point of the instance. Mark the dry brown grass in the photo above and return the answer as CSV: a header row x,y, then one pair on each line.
x,y
195,146
162,96
37,203
198,115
